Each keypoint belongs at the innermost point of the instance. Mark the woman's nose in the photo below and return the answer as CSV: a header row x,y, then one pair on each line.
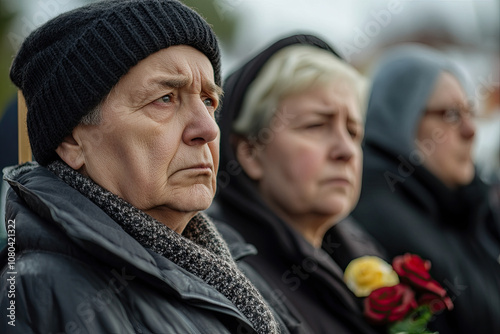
x,y
467,128
201,127
342,145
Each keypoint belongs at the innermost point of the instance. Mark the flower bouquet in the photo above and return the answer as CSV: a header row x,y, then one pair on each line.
x,y
403,297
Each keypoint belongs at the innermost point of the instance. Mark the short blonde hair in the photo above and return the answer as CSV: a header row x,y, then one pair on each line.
x,y
289,71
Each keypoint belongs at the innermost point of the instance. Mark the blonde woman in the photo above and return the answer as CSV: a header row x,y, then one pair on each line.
x,y
291,131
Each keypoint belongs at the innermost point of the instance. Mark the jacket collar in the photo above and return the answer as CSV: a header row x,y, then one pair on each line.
x,y
91,233
237,246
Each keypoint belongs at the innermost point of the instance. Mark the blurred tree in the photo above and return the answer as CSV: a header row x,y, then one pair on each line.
x,y
7,89
218,14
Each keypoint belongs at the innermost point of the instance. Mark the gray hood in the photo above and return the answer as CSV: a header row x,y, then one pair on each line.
x,y
401,87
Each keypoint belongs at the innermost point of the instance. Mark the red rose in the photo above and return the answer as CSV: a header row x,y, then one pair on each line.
x,y
435,302
415,271
389,304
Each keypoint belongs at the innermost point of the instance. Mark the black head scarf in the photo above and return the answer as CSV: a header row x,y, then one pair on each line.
x,y
327,299
233,184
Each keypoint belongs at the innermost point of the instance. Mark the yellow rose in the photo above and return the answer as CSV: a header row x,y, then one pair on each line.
x,y
368,273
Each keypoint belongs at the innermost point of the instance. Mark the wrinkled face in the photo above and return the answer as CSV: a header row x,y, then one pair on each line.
x,y
446,133
157,144
311,162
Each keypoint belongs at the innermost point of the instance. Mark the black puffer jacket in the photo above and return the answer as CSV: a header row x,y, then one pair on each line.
x,y
76,271
306,279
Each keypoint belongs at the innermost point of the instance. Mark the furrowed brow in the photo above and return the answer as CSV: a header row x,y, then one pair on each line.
x,y
155,85
173,82
158,84
213,88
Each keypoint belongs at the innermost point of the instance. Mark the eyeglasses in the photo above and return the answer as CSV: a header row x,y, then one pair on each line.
x,y
453,115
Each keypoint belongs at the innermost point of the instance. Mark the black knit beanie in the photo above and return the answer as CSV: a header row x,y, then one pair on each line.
x,y
67,66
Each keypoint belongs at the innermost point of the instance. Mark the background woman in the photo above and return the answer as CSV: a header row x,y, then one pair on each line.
x,y
291,132
420,191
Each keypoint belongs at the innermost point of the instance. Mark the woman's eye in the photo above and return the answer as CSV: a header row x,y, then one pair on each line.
x,y
165,99
209,102
314,125
452,115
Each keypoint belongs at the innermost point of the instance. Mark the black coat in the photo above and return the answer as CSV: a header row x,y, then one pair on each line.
x,y
306,279
76,270
408,209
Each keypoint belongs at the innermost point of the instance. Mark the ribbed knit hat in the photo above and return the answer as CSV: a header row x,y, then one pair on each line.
x,y
67,66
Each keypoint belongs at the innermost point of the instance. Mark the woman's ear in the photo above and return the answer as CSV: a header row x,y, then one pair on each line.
x,y
248,155
71,152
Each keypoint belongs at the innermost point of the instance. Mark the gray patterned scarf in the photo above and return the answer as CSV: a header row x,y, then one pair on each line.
x,y
200,249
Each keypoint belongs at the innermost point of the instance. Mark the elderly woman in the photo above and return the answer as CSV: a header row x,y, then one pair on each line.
x,y
291,128
420,191
105,231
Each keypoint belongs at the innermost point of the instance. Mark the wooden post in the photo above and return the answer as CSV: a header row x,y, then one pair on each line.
x,y
22,128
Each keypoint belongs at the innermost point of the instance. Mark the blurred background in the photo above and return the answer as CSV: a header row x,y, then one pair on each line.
x,y
360,30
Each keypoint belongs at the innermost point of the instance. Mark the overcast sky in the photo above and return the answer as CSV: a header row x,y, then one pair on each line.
x,y
361,25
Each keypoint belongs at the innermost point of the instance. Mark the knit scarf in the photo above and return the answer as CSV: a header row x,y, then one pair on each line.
x,y
200,249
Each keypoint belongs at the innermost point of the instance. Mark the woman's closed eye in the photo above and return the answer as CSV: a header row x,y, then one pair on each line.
x,y
355,131
314,125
